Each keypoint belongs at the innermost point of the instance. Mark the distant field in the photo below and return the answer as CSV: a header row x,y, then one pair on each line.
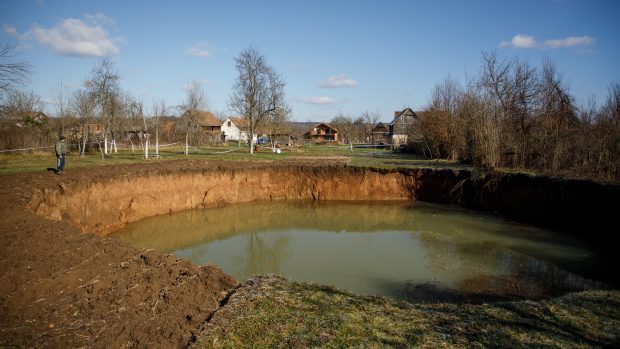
x,y
358,156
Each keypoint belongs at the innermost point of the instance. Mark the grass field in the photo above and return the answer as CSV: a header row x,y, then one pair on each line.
x,y
24,162
272,312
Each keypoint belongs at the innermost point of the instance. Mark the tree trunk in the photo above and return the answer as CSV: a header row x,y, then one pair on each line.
x,y
146,147
251,139
186,143
84,139
105,142
101,151
140,137
156,142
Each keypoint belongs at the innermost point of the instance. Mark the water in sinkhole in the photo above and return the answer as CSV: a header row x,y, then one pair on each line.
x,y
412,251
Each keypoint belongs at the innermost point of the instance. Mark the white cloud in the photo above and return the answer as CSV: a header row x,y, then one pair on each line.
x,y
527,41
519,41
76,37
570,41
504,44
9,30
341,80
99,19
201,49
322,100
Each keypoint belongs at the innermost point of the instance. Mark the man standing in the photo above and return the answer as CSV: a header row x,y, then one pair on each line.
x,y
61,151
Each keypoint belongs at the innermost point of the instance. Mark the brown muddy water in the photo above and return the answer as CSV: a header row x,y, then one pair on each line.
x,y
411,251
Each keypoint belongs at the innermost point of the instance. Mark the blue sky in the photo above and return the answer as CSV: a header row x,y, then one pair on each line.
x,y
335,56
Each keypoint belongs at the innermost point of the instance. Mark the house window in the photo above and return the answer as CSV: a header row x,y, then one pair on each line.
x,y
229,123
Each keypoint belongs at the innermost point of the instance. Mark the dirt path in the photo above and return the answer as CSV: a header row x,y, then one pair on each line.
x,y
63,288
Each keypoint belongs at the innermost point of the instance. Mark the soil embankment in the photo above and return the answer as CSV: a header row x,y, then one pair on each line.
x,y
578,207
62,287
106,206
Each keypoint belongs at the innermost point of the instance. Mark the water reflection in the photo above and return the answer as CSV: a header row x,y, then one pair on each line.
x,y
417,252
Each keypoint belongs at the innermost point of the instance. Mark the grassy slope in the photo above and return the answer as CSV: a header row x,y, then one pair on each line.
x,y
40,162
272,312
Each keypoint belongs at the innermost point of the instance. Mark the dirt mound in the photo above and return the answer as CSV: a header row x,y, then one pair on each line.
x,y
63,288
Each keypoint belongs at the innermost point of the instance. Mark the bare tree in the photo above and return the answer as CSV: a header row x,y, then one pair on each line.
x,y
22,110
12,74
516,115
277,124
440,125
607,134
84,104
558,118
489,135
62,100
584,147
358,130
195,102
371,119
344,124
446,95
158,112
104,86
135,111
21,105
258,91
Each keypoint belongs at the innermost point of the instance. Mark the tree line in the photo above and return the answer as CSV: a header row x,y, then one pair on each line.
x,y
514,115
100,113
510,115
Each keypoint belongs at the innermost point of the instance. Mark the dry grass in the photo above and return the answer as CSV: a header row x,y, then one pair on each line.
x,y
271,312
362,157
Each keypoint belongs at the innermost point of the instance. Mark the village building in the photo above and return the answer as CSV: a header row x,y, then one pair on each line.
x,y
401,126
168,127
235,129
210,127
378,134
322,133
278,133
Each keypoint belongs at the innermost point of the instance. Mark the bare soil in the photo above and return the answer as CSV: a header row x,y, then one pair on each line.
x,y
63,288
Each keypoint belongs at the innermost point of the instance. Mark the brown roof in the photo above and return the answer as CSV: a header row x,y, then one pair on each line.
x,y
239,121
321,126
206,118
406,111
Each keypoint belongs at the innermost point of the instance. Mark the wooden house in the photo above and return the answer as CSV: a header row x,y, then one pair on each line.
x,y
322,133
210,126
401,126
378,134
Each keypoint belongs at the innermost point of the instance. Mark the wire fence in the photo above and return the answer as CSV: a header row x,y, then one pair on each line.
x,y
196,150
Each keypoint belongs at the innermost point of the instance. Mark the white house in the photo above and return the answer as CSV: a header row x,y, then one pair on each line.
x,y
235,129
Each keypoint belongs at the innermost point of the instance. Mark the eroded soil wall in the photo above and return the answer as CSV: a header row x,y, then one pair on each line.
x,y
582,208
103,207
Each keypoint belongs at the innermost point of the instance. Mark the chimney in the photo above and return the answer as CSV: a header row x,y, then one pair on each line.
x,y
396,113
